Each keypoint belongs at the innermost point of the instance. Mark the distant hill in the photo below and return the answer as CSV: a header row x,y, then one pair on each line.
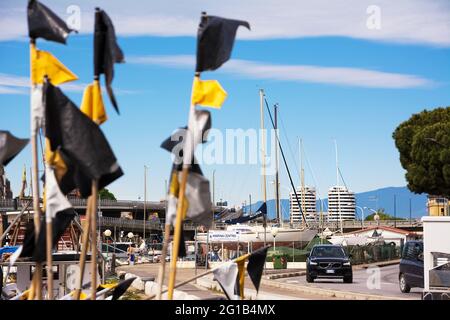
x,y
368,199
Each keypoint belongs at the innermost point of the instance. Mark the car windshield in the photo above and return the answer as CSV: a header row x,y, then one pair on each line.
x,y
328,252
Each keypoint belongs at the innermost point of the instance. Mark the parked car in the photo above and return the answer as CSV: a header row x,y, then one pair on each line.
x,y
411,266
328,261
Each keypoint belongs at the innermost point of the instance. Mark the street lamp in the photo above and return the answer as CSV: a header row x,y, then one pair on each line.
x,y
107,234
274,232
376,217
362,216
130,235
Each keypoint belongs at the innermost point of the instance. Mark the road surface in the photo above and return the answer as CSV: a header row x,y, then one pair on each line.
x,y
380,281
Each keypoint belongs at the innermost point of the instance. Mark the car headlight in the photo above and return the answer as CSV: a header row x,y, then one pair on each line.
x,y
313,263
346,263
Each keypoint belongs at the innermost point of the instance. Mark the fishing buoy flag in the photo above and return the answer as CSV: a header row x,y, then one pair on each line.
x,y
208,93
80,141
92,104
215,41
44,23
106,52
44,64
10,146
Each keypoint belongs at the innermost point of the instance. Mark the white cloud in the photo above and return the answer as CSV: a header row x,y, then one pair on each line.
x,y
402,21
9,90
298,73
13,84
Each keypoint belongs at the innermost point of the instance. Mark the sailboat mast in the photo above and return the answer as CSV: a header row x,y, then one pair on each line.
x,y
338,187
263,158
302,176
277,177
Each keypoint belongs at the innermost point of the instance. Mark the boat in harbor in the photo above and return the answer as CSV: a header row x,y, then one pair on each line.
x,y
256,235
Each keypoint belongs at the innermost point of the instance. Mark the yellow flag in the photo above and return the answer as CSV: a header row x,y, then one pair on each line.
x,y
92,104
55,160
241,274
174,189
43,63
208,93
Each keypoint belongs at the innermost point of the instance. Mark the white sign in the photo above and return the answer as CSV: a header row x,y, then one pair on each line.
x,y
222,236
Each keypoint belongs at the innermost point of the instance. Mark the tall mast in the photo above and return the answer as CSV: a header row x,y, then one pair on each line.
x,y
277,178
338,187
302,177
263,157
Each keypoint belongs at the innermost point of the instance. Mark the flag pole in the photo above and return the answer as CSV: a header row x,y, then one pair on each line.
x,y
35,164
244,257
162,266
49,242
85,242
94,195
187,157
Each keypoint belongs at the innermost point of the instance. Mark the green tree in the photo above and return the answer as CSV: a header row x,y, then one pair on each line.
x,y
106,195
423,142
383,216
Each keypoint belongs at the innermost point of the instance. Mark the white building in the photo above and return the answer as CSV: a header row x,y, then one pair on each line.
x,y
308,202
341,204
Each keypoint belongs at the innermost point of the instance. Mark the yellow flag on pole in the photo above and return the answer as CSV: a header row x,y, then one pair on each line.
x,y
55,160
208,93
92,104
43,63
241,274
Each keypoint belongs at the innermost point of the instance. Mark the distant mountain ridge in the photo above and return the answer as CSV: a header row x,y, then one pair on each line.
x,y
379,198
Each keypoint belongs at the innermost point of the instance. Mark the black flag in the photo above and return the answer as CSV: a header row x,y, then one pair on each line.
x,y
215,41
255,266
44,23
38,251
10,146
122,288
80,141
106,51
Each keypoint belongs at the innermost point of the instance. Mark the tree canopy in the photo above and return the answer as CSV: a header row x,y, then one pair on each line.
x,y
423,142
383,216
105,194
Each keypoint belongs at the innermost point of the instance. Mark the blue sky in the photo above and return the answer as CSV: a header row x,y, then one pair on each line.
x,y
332,77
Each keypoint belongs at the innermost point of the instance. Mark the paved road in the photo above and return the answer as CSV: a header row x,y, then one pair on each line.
x,y
364,281
266,292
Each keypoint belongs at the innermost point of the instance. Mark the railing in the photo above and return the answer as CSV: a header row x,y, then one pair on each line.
x,y
129,224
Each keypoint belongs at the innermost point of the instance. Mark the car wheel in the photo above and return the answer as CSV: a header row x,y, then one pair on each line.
x,y
309,279
404,287
348,279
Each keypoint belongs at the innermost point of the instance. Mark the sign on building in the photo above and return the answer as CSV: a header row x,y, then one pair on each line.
x,y
222,236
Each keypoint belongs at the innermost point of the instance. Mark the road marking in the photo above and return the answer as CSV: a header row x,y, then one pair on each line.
x,y
291,281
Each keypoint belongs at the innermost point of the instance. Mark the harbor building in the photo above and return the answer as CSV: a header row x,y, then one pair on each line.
x,y
438,206
341,204
307,200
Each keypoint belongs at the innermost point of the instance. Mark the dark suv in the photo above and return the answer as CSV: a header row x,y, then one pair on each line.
x,y
411,266
328,261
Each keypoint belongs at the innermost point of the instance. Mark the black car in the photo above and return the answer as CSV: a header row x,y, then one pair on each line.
x,y
328,261
411,266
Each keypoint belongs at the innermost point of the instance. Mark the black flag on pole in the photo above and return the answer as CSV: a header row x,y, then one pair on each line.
x,y
255,266
215,41
106,51
44,23
10,146
80,141
58,211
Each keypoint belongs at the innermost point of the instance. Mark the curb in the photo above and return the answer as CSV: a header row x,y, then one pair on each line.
x,y
347,295
377,264
285,275
150,288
